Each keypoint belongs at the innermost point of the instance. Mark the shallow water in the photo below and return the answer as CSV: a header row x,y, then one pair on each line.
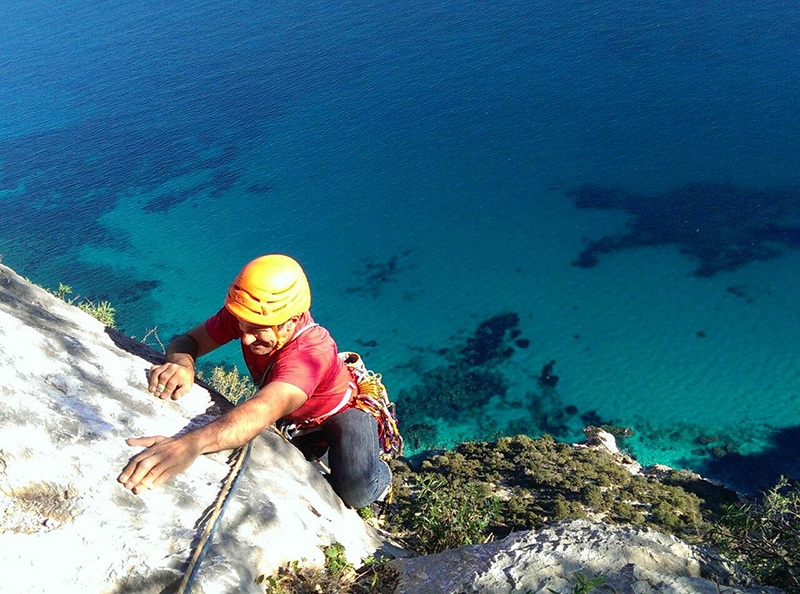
x,y
423,161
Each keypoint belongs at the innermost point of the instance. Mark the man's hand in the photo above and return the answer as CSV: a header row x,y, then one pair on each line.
x,y
164,458
171,380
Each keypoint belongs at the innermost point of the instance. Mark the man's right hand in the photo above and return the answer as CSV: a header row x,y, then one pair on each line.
x,y
171,380
164,458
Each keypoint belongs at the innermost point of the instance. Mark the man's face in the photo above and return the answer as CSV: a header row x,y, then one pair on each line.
x,y
262,340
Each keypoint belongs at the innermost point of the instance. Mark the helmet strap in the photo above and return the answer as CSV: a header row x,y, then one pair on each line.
x,y
279,342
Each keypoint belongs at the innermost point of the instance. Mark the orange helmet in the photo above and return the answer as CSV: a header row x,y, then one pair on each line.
x,y
268,291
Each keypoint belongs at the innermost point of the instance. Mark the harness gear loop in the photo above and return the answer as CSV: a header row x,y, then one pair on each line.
x,y
373,398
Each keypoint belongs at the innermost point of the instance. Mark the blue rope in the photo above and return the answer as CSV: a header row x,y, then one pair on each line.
x,y
188,580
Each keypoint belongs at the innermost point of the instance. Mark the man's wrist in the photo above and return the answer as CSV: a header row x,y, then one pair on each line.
x,y
181,359
182,350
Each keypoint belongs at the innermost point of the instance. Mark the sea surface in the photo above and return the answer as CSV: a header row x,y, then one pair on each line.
x,y
528,216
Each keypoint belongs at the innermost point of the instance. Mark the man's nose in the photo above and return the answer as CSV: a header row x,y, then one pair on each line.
x,y
248,338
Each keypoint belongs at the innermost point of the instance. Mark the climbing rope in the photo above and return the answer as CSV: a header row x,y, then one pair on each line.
x,y
210,528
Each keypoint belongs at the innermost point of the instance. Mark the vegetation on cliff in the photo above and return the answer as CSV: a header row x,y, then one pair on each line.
x,y
484,491
534,482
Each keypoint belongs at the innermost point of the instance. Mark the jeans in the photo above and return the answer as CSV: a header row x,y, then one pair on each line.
x,y
350,438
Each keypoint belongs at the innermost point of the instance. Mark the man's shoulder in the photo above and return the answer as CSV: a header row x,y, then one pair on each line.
x,y
222,326
316,338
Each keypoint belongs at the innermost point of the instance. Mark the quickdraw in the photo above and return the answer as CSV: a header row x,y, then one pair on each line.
x,y
373,398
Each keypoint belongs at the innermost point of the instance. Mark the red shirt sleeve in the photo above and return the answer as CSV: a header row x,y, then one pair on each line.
x,y
223,327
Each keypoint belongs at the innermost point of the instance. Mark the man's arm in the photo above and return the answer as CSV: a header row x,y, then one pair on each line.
x,y
167,456
175,376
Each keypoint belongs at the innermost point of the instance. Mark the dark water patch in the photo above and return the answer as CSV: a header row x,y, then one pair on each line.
x,y
222,160
750,293
105,155
259,189
452,390
375,275
465,383
547,415
119,287
592,417
739,291
34,233
61,182
757,472
722,227
489,344
169,200
138,290
222,180
547,378
469,381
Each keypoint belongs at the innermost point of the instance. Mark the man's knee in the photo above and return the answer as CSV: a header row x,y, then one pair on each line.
x,y
358,492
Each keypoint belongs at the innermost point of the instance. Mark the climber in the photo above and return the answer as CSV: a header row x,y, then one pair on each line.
x,y
301,383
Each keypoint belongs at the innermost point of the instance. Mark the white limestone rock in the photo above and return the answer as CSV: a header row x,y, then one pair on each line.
x,y
630,559
71,392
603,440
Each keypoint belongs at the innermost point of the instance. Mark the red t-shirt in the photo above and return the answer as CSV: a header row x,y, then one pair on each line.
x,y
309,361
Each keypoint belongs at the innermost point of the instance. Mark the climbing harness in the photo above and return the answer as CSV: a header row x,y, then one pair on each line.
x,y
211,524
373,398
292,430
367,393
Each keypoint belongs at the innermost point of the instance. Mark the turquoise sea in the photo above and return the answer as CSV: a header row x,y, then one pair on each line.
x,y
476,190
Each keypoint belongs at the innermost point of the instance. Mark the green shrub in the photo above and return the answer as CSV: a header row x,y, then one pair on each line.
x,y
234,386
338,576
102,311
538,481
765,536
592,496
445,518
336,561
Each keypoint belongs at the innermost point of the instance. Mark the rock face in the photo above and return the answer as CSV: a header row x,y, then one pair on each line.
x,y
71,392
630,559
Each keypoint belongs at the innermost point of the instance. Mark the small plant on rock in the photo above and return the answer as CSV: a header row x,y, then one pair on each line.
x,y
446,518
765,536
338,576
583,584
102,311
234,386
